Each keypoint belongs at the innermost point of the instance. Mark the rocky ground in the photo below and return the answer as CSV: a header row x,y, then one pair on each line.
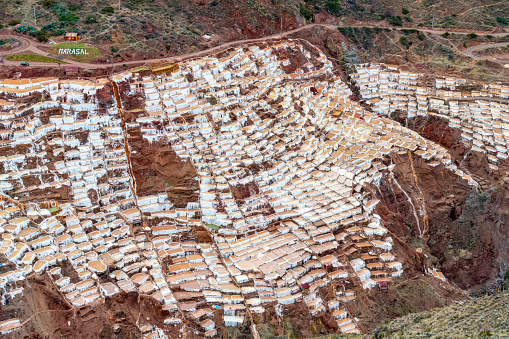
x,y
466,227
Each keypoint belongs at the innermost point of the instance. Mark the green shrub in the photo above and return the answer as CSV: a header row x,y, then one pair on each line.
x,y
445,35
471,35
48,3
396,21
90,20
489,36
41,36
346,31
485,333
404,41
501,20
407,31
421,36
14,22
367,30
68,17
333,7
108,10
56,28
405,11
114,49
305,12
1,26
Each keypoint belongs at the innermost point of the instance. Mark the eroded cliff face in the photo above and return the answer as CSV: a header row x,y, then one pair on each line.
x,y
466,232
405,207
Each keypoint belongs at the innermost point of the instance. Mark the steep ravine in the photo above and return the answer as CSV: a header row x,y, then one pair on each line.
x,y
468,231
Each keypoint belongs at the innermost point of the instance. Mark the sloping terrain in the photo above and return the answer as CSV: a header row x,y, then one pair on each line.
x,y
141,29
484,317
466,227
258,191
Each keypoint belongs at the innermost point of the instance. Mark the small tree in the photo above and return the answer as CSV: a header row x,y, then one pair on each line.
x,y
396,21
501,20
405,11
14,22
333,7
108,10
68,17
305,12
471,35
90,20
42,36
404,41
48,3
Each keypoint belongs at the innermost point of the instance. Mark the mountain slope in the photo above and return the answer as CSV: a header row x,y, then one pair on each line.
x,y
142,28
475,318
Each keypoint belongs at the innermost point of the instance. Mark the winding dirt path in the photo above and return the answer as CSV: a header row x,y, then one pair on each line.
x,y
33,47
469,51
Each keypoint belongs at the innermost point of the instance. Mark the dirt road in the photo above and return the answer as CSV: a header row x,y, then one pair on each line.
x,y
33,47
469,51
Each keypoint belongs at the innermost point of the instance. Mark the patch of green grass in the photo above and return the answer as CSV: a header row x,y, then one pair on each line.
x,y
69,45
92,52
33,57
142,68
54,209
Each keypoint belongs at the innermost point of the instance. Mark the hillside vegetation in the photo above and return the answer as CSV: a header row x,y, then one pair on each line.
x,y
160,28
483,317
477,318
414,49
